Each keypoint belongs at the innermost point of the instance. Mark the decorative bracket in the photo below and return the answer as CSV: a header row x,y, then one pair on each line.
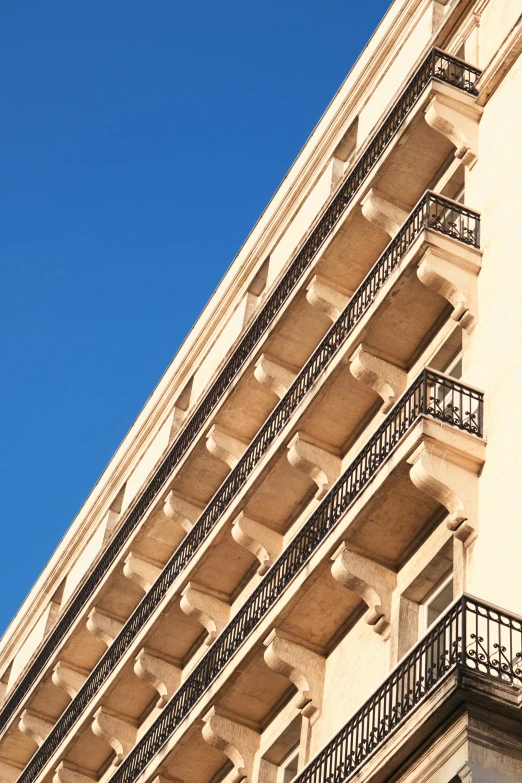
x,y
66,773
141,570
68,678
206,606
304,667
103,626
165,677
371,581
322,466
455,280
35,726
327,296
384,212
237,741
385,378
451,480
458,122
225,447
274,374
262,541
182,511
117,732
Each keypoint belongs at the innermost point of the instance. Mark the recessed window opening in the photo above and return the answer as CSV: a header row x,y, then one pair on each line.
x,y
454,368
437,602
288,767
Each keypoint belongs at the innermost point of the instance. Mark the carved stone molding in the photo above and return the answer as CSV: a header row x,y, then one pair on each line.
x,y
35,726
327,296
237,741
68,678
182,511
458,121
103,626
224,446
206,606
274,374
455,280
451,480
385,378
117,732
322,466
371,581
304,667
262,541
384,212
164,676
141,570
66,773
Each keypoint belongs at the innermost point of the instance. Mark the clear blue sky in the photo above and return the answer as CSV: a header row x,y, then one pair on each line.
x,y
140,143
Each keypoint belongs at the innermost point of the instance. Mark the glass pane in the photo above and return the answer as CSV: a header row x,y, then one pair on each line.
x,y
440,602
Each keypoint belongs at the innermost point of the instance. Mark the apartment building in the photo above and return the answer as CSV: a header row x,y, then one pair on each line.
x,y
303,560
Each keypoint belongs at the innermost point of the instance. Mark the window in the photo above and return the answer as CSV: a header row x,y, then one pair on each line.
x,y
436,602
288,767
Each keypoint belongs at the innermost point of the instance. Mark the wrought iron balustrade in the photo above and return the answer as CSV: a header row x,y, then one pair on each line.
x,y
471,635
431,394
431,211
436,65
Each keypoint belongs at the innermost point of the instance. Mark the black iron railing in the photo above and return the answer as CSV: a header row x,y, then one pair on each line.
x,y
431,394
470,635
437,65
431,211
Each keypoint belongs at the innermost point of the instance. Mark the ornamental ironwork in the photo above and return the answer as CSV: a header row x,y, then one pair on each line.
x,y
437,65
432,394
470,635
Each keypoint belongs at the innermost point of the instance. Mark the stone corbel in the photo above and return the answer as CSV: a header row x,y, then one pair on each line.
x,y
207,606
304,667
371,581
67,773
455,281
458,122
141,570
225,447
35,726
177,418
262,541
327,296
450,482
103,626
237,741
68,678
384,212
182,511
276,375
165,677
385,378
115,731
322,466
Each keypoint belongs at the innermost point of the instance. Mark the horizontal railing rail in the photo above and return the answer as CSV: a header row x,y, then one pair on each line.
x,y
437,65
431,394
471,635
431,211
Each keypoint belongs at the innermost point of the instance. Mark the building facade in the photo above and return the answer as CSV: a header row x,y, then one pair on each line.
x,y
303,560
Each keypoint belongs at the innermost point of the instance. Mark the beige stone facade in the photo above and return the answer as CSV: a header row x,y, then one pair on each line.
x,y
294,563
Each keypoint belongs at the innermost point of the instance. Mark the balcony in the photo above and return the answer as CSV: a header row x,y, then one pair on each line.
x,y
471,655
433,399
436,67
